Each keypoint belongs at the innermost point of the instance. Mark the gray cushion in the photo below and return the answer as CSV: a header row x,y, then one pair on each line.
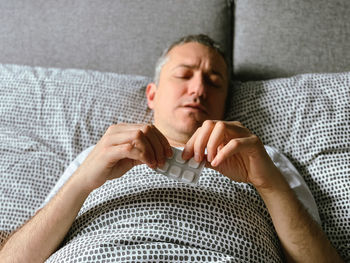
x,y
111,35
281,38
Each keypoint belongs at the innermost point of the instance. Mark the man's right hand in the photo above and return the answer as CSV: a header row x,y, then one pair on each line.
x,y
122,147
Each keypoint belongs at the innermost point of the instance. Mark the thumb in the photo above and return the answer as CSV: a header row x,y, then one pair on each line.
x,y
208,165
123,166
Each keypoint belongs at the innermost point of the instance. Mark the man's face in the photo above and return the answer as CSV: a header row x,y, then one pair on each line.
x,y
192,88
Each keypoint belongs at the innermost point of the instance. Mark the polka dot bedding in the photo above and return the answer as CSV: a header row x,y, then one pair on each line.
x,y
146,217
307,117
48,116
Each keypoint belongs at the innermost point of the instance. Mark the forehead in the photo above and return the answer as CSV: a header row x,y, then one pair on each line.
x,y
198,55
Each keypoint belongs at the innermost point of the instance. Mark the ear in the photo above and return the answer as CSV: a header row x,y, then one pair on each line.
x,y
150,94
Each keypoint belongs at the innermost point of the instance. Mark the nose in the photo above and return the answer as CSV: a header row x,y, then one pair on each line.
x,y
197,86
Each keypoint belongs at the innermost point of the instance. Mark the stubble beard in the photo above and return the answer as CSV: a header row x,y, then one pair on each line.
x,y
179,128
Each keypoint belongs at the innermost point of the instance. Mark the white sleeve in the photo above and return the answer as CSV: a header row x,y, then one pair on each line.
x,y
67,174
295,181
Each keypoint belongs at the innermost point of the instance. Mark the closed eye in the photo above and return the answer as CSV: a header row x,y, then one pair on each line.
x,y
213,82
183,77
183,73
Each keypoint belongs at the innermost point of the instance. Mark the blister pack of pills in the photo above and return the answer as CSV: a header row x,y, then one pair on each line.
x,y
184,171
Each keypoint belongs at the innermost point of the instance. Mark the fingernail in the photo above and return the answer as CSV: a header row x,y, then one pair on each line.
x,y
197,157
214,162
209,158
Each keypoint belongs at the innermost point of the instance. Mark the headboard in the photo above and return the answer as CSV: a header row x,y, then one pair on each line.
x,y
276,39
114,36
266,39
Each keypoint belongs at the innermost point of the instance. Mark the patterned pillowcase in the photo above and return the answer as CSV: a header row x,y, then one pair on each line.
x,y
307,117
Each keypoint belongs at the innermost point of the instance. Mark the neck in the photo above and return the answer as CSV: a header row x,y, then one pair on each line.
x,y
176,143
175,139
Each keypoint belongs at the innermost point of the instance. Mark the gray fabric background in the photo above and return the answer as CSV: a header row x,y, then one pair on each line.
x,y
120,36
281,38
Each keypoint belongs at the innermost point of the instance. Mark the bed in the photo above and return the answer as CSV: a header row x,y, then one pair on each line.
x,y
70,69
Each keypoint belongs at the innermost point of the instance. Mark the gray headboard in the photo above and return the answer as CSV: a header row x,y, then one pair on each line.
x,y
120,36
276,38
267,39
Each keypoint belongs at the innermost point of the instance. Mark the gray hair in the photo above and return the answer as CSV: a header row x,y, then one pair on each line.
x,y
201,39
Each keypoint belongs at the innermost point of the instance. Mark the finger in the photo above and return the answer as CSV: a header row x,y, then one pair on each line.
x,y
123,166
142,143
110,139
164,142
136,138
208,165
201,140
237,130
123,127
234,146
156,144
188,150
123,151
165,148
216,140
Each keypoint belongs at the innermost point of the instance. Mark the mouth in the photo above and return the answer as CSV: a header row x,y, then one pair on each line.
x,y
196,107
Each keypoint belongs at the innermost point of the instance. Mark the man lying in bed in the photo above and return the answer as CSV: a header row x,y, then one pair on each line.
x,y
188,99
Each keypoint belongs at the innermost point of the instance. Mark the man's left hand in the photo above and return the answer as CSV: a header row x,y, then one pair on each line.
x,y
233,151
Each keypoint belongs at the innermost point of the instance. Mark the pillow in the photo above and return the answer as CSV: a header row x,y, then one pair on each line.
x,y
48,116
307,117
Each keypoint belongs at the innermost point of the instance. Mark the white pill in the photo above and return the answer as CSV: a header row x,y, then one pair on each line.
x,y
164,168
192,163
179,159
181,170
175,171
188,176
